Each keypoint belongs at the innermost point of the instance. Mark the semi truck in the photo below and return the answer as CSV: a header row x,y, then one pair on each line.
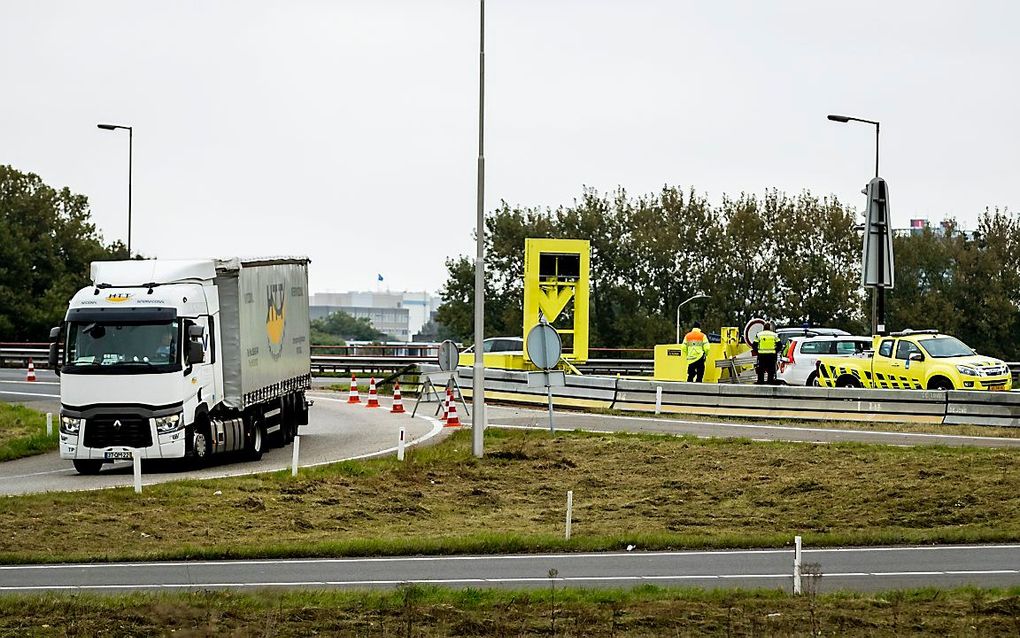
x,y
183,359
916,360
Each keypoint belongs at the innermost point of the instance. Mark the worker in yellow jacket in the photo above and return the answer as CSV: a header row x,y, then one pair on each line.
x,y
766,348
695,347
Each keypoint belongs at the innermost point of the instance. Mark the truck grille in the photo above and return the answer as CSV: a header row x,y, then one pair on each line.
x,y
103,431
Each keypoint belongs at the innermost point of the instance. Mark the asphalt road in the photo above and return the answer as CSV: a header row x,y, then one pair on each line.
x,y
862,569
527,418
336,431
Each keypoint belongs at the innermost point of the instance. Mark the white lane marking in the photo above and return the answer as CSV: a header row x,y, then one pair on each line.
x,y
468,580
782,427
31,382
505,557
30,394
66,470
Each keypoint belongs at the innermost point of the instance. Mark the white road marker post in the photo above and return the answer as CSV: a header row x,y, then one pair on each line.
x,y
570,510
136,461
400,444
796,566
49,424
658,399
294,459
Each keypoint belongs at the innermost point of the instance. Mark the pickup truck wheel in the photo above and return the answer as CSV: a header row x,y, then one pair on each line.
x,y
87,466
812,381
940,383
849,382
256,440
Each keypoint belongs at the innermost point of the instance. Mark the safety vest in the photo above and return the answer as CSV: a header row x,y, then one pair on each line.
x,y
696,345
768,342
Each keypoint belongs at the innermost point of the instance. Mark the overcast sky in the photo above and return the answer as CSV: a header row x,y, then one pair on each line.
x,y
347,131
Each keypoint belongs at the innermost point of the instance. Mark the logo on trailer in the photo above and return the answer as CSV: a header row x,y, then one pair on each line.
x,y
275,318
117,424
118,297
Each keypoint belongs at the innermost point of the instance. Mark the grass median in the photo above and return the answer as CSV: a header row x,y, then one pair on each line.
x,y
655,492
23,432
431,612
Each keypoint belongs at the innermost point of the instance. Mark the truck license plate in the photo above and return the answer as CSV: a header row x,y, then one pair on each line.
x,y
997,388
118,454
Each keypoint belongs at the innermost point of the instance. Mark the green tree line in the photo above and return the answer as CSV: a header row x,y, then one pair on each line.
x,y
47,241
333,329
793,259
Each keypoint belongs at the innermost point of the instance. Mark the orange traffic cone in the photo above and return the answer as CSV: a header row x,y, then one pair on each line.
x,y
451,418
398,405
31,371
353,396
373,398
446,406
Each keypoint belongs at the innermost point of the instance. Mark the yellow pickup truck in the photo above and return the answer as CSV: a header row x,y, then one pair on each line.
x,y
916,360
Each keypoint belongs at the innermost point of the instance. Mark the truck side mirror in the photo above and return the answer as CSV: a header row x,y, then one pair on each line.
x,y
196,352
54,354
195,332
916,356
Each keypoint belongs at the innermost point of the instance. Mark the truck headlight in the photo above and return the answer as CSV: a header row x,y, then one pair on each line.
x,y
168,424
970,371
70,424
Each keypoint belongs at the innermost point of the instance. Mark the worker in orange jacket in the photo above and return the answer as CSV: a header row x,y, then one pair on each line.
x,y
695,348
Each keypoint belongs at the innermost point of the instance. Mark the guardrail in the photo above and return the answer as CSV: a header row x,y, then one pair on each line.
x,y
724,400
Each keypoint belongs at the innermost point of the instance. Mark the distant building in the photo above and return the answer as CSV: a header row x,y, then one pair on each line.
x,y
399,315
919,224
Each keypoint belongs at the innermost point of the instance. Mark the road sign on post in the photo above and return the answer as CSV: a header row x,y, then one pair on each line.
x,y
877,266
544,350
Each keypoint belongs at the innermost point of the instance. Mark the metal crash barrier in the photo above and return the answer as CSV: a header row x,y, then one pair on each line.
x,y
751,401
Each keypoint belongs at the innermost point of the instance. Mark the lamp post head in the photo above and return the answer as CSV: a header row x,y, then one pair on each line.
x,y
839,118
107,127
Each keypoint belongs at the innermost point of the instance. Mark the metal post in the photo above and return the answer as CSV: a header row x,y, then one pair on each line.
x,y
49,424
478,382
548,389
796,565
876,148
131,146
570,510
400,444
294,458
658,399
136,460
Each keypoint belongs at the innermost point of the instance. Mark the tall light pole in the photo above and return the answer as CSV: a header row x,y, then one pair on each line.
x,y
683,303
131,143
478,381
878,298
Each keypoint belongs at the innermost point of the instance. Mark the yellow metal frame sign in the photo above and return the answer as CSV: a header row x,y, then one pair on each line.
x,y
556,286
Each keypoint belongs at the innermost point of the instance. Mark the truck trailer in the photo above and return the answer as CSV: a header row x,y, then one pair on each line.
x,y
183,359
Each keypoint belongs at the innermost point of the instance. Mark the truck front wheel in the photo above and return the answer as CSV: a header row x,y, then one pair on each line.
x,y
87,466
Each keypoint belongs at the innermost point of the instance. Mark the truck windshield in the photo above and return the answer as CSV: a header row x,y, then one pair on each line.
x,y
123,347
945,347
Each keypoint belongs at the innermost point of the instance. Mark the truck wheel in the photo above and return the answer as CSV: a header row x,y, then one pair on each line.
x,y
940,383
87,466
256,440
812,381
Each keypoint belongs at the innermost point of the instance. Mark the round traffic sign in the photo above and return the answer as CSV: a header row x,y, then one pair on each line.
x,y
448,356
751,330
544,346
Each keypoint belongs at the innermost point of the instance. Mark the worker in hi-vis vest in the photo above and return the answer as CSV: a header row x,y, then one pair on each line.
x,y
696,351
766,348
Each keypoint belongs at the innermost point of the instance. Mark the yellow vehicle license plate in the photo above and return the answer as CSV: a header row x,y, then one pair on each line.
x,y
997,388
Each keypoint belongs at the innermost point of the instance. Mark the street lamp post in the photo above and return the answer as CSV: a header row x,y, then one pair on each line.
x,y
131,143
878,298
683,303
478,380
